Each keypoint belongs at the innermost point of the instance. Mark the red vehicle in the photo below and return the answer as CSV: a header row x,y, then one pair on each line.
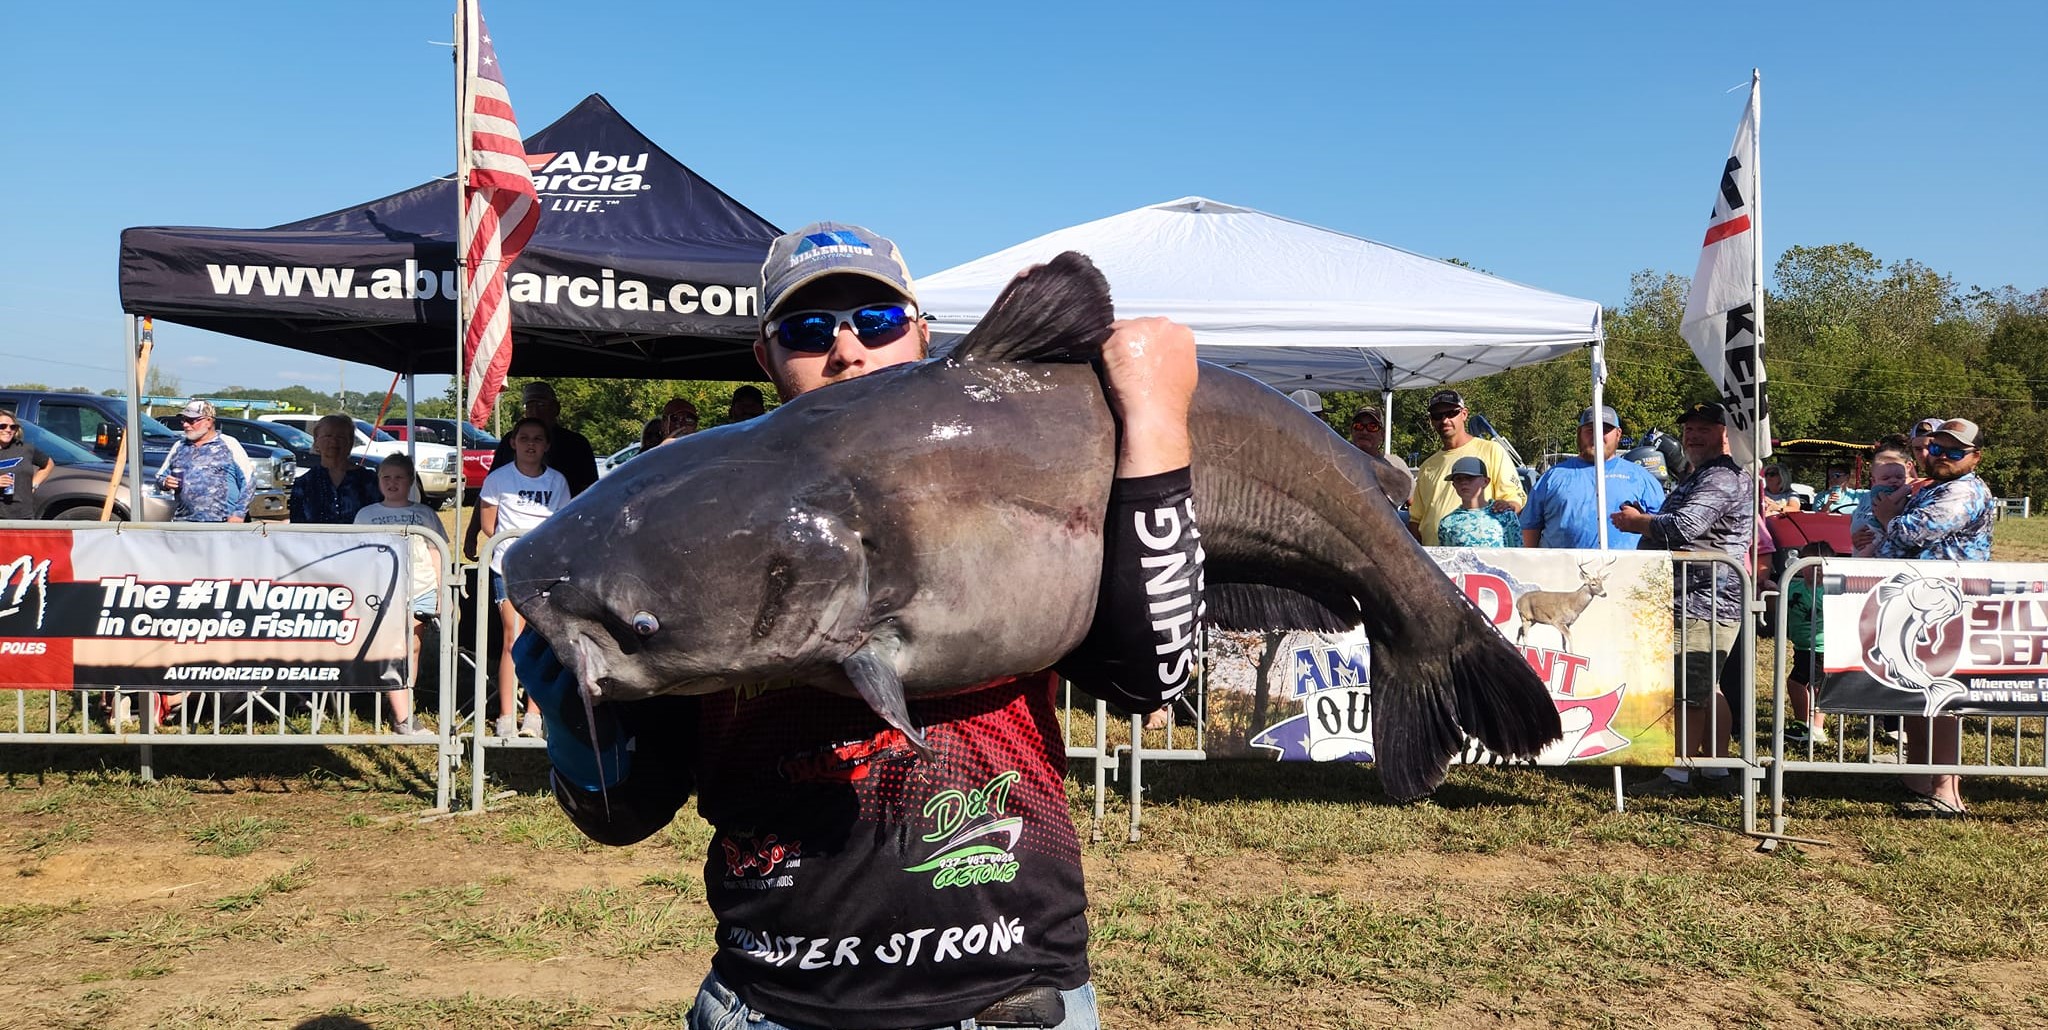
x,y
478,447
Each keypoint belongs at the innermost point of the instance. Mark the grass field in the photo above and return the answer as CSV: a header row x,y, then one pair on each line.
x,y
302,889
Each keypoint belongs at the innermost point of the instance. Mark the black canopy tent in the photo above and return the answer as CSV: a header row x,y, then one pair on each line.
x,y
639,268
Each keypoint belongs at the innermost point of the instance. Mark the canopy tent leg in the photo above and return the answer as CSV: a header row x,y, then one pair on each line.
x,y
1387,419
1600,436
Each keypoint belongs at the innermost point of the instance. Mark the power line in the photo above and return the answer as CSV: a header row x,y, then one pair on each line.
x,y
1852,389
1768,362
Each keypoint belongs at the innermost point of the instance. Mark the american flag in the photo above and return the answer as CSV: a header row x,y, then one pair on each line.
x,y
499,210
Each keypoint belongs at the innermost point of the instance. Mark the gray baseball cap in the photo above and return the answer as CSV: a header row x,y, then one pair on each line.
x,y
797,259
1607,417
1468,466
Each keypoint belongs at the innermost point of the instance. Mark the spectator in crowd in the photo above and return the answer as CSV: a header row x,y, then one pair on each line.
x,y
1778,496
1434,495
1839,497
332,493
746,403
1369,434
397,484
1709,510
832,313
680,417
516,498
1891,464
652,435
568,451
209,482
1804,674
22,469
1564,509
1947,519
202,473
1476,523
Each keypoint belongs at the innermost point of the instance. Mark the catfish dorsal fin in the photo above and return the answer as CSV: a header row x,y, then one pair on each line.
x,y
1057,311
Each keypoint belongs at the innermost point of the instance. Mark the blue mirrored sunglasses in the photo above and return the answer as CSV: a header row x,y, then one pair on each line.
x,y
1935,450
811,332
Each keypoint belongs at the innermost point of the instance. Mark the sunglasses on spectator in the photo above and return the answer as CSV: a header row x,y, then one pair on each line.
x,y
1935,450
812,332
9,426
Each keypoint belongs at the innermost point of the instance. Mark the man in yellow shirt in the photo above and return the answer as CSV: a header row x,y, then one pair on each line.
x,y
1434,496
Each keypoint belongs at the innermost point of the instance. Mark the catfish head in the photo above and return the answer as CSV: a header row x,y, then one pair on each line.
x,y
695,569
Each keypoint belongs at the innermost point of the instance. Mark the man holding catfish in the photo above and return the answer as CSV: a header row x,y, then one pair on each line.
x,y
855,885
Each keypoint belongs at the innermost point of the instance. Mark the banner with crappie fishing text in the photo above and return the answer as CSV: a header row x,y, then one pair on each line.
x,y
1596,627
236,609
1933,637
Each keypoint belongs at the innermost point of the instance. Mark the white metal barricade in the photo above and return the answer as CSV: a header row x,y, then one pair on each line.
x,y
1866,743
260,717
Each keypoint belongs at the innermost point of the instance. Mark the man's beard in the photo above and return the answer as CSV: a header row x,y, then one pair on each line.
x,y
1697,456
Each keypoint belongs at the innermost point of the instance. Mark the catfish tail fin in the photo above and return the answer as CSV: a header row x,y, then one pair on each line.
x,y
1426,700
1057,311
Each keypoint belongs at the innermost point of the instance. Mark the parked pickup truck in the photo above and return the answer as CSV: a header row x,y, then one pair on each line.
x,y
96,423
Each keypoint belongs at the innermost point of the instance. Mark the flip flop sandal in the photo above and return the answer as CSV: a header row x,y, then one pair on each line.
x,y
1924,806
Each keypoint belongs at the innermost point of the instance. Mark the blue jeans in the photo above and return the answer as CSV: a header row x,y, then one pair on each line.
x,y
718,1008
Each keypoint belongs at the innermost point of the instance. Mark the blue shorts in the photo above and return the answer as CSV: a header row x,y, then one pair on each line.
x,y
497,587
425,605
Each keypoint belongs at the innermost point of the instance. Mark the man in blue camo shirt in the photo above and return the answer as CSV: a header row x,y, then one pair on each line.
x,y
202,474
1948,519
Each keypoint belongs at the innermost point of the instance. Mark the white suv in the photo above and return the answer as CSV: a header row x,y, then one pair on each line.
x,y
439,465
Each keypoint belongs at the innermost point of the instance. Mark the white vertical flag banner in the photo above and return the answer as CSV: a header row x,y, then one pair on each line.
x,y
1724,312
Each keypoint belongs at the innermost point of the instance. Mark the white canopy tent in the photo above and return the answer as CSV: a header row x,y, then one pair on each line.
x,y
1294,305
1291,304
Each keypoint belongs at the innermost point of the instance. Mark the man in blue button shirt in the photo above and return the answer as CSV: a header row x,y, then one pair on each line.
x,y
1564,509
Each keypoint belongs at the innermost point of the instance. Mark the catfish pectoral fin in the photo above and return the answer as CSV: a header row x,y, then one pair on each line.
x,y
876,680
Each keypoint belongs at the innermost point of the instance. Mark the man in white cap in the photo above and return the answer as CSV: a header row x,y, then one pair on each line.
x,y
855,885
1564,509
206,474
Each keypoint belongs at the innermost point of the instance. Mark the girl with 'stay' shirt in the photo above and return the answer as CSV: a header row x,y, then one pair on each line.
x,y
517,497
396,480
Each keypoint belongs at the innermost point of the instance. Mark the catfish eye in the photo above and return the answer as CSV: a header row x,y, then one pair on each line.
x,y
644,623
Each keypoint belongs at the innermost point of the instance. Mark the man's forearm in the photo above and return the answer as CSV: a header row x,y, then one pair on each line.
x,y
1152,444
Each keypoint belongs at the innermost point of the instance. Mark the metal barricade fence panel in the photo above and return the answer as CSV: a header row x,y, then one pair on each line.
x,y
1976,645
209,715
1619,694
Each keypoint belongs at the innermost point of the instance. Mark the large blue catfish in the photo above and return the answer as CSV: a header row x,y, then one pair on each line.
x,y
939,524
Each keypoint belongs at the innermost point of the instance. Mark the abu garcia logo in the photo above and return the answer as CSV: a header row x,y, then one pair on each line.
x,y
964,824
587,181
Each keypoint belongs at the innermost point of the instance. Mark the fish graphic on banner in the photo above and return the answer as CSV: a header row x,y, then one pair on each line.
x,y
1934,638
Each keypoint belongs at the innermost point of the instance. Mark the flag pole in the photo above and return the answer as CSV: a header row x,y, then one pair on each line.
x,y
1756,255
462,57
1757,442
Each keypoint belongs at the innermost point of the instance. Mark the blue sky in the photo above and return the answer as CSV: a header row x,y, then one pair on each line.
x,y
1565,146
